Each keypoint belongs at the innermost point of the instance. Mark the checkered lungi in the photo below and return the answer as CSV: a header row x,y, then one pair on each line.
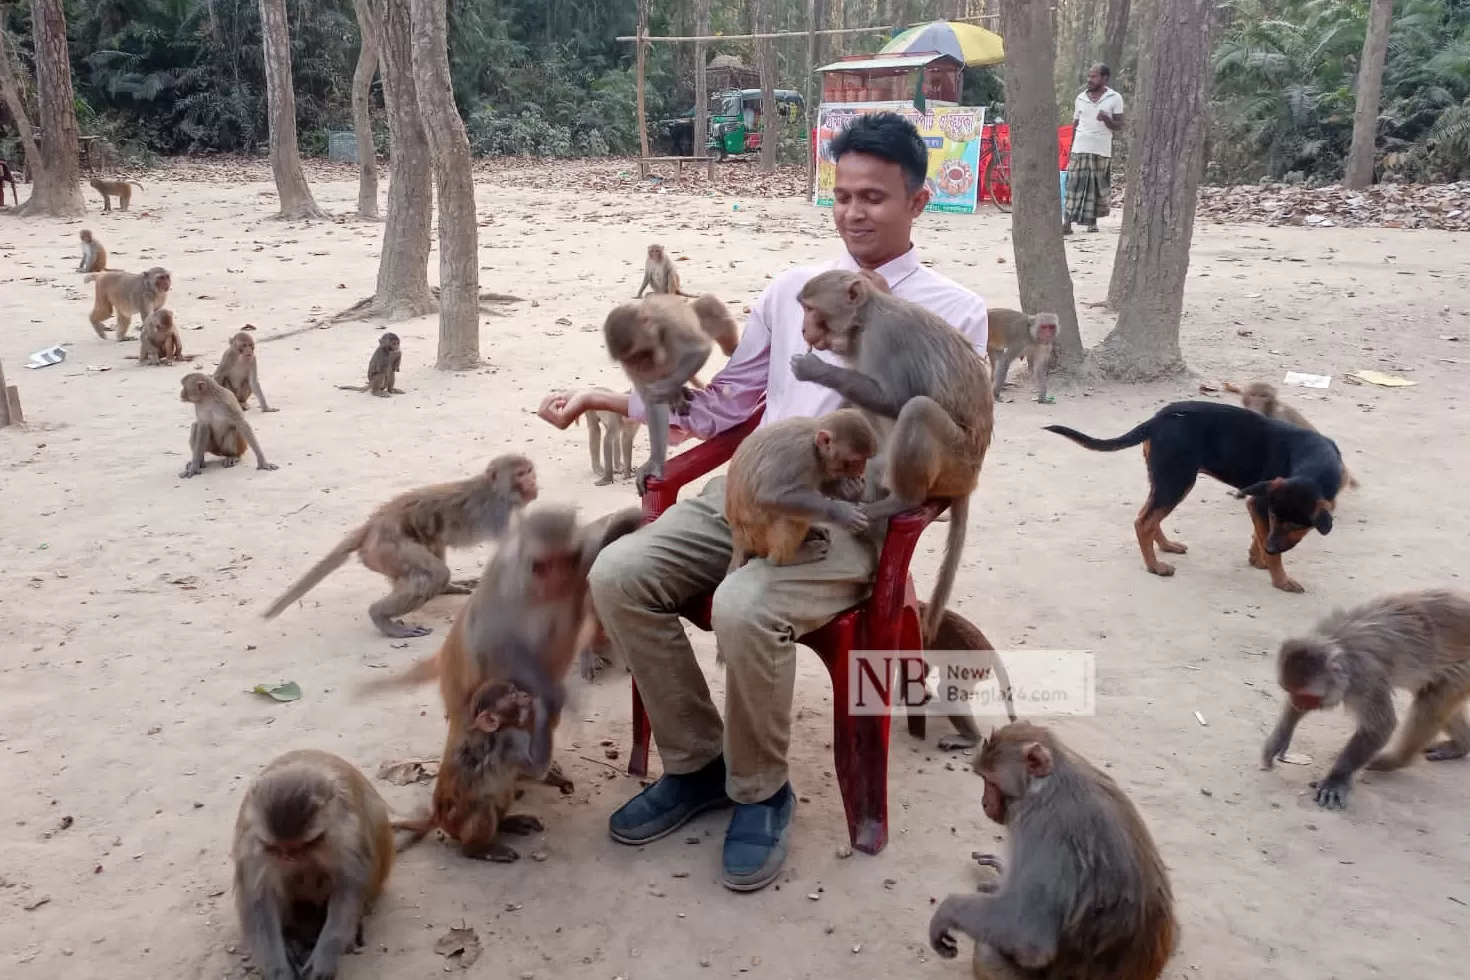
x,y
1089,182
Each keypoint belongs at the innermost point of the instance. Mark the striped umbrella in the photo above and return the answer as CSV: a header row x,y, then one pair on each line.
x,y
972,45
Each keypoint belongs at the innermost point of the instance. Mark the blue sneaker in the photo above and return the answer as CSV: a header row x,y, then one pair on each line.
x,y
671,802
755,844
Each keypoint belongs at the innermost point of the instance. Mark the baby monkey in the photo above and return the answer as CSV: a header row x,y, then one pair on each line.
x,y
313,847
383,368
1013,334
237,372
1261,396
614,434
94,256
159,342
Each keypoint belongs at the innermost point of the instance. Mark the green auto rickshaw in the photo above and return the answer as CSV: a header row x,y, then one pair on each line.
x,y
735,119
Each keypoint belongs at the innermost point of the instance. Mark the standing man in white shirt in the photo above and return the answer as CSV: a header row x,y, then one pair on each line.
x,y
640,581
1097,116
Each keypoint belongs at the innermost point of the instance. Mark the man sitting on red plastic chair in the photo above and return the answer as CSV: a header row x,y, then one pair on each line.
x,y
641,581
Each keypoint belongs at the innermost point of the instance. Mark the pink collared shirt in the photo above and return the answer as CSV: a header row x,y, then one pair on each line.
x,y
761,365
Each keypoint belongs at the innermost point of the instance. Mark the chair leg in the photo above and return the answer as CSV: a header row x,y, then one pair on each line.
x,y
911,637
916,713
860,758
642,735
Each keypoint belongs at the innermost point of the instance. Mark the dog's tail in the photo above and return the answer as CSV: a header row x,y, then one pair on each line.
x,y
1133,437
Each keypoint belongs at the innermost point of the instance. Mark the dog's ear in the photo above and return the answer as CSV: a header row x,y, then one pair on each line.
x,y
1323,521
1254,490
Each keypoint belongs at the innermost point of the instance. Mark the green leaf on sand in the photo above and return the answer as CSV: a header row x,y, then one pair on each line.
x,y
289,691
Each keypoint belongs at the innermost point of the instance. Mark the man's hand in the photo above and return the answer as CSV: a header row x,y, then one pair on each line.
x,y
1104,117
562,408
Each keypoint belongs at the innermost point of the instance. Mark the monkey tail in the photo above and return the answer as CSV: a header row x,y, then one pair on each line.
x,y
959,515
1133,437
419,672
319,571
418,828
136,184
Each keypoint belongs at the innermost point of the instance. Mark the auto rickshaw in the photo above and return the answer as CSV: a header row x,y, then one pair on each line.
x,y
735,119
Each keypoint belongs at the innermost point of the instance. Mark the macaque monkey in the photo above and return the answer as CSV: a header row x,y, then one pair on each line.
x,y
405,539
1012,333
958,633
1418,641
383,367
94,256
717,323
660,272
115,188
1260,396
219,426
313,847
237,372
924,388
159,341
788,475
611,436
1086,897
661,344
127,293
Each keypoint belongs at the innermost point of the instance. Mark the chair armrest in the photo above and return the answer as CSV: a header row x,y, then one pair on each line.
x,y
693,463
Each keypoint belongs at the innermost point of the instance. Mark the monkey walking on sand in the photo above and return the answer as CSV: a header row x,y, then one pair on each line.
x,y
406,538
1418,641
127,293
1261,396
383,366
1013,334
115,188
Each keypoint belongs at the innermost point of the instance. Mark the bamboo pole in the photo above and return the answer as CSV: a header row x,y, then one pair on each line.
x,y
642,67
811,68
878,29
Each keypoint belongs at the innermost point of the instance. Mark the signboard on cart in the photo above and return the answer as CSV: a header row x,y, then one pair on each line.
x,y
951,132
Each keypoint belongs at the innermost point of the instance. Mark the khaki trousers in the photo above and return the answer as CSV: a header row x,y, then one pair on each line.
x,y
639,581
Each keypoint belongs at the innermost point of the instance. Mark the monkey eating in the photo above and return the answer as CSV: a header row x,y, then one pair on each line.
x,y
237,372
660,272
312,850
127,293
924,388
219,426
115,188
94,256
1012,334
1086,896
158,339
1261,396
383,368
405,539
1419,641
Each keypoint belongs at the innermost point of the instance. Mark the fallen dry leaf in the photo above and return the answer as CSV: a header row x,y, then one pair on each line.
x,y
409,771
460,947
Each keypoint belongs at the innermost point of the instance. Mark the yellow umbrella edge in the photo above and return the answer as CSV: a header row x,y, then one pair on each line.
x,y
980,47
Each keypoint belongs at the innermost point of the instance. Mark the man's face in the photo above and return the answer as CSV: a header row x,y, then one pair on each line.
x,y
1094,80
873,211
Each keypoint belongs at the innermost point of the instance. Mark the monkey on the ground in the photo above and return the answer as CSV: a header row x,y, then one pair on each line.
x,y
5,175
405,539
661,343
926,391
958,633
485,756
383,366
219,426
1261,396
1012,334
1418,641
127,293
313,846
115,188
158,339
94,256
1086,895
237,372
660,273
610,436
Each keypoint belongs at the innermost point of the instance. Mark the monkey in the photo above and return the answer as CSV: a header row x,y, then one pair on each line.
x,y
1010,334
219,426
313,847
159,341
660,272
1086,897
924,388
5,175
383,368
717,323
661,343
237,372
1419,641
614,434
1261,396
958,633
774,490
94,256
406,537
115,188
127,293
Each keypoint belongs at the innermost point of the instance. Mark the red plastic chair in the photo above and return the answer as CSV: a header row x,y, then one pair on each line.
x,y
888,620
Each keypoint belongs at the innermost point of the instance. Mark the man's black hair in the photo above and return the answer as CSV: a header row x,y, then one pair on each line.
x,y
1104,70
890,137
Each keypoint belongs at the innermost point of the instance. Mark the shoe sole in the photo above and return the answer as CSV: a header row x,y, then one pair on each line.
x,y
693,812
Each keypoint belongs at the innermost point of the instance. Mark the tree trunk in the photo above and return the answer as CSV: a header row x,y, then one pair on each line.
x,y
1359,173
642,78
1164,166
770,118
10,90
701,79
459,240
1036,220
56,190
291,187
1115,34
814,19
362,110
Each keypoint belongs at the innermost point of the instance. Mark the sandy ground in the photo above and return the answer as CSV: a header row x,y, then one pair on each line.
x,y
129,604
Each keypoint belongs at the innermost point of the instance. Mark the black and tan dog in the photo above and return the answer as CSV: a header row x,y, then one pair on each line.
x,y
1291,476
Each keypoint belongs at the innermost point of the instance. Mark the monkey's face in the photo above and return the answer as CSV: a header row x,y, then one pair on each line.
x,y
389,341
829,305
655,253
1044,330
524,482
501,705
1009,765
87,236
195,388
554,570
1312,676
243,343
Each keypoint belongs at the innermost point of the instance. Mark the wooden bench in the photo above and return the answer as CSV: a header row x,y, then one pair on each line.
x,y
708,162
